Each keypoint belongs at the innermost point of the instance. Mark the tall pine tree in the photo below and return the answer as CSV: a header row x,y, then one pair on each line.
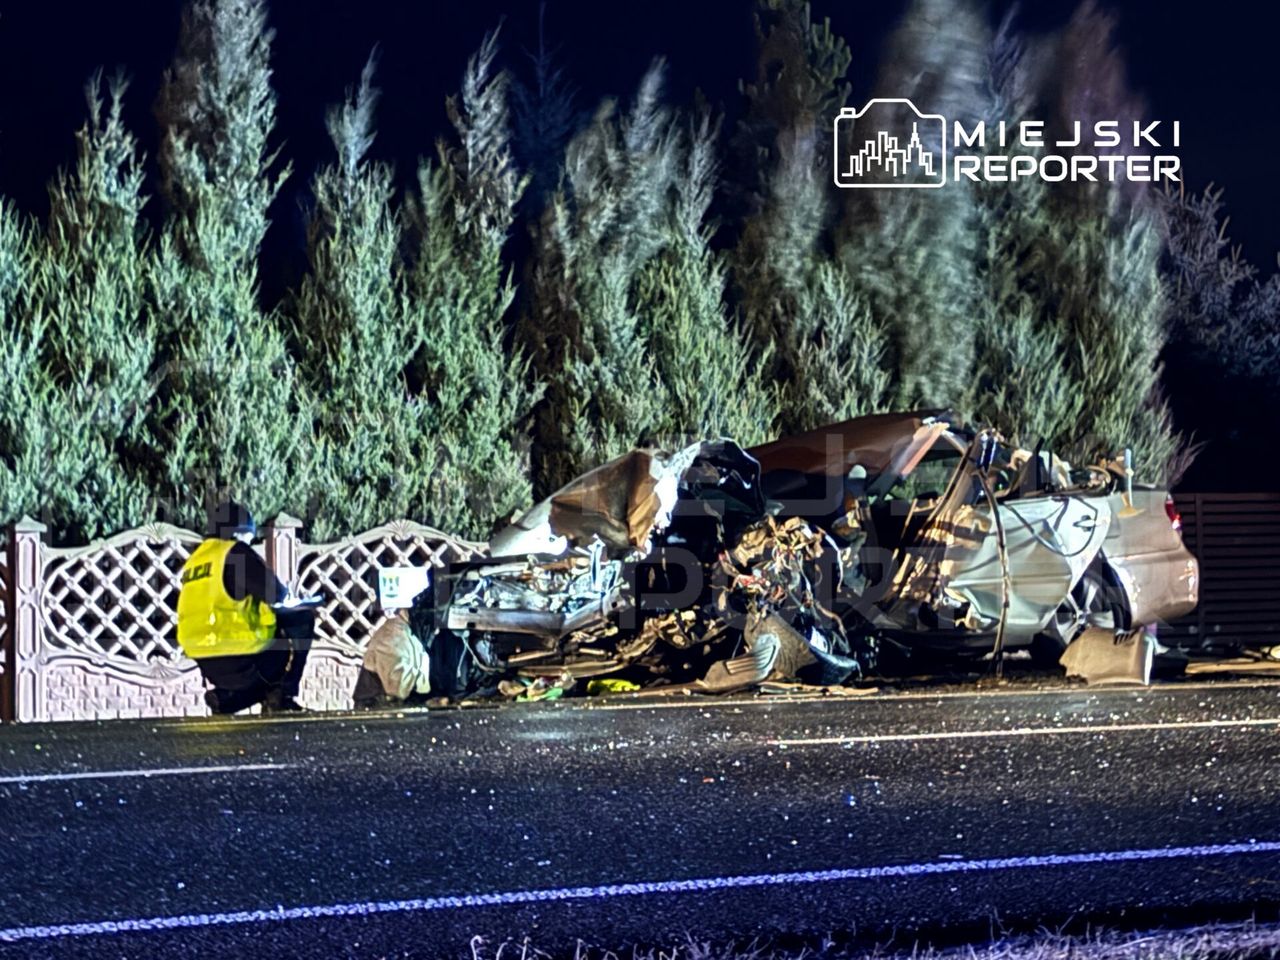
x,y
1102,248
599,232
798,301
711,379
913,251
373,454
478,388
234,414
30,427
88,295
1024,379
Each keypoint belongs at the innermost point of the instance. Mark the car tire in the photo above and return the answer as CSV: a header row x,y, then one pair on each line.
x,y
1094,602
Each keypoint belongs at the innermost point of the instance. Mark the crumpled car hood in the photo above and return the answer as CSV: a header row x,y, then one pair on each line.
x,y
622,504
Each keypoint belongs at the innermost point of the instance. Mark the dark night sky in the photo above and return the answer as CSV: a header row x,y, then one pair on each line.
x,y
1211,65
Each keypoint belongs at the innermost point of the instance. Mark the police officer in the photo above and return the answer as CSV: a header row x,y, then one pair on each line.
x,y
247,651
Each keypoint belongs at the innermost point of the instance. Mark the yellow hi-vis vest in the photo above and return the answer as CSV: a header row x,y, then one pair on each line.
x,y
210,622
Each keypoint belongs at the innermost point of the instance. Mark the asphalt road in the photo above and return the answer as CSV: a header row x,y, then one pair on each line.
x,y
407,835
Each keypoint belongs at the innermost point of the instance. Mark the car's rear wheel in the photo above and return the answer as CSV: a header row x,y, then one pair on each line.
x,y
1094,603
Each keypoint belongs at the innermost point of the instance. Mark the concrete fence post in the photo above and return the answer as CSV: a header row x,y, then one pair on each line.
x,y
23,619
281,545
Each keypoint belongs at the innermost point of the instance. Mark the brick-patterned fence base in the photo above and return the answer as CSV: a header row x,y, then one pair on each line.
x,y
89,631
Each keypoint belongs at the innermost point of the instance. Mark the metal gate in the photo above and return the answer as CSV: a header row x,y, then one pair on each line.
x,y
1236,537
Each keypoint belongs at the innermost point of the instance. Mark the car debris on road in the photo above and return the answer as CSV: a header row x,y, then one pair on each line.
x,y
810,559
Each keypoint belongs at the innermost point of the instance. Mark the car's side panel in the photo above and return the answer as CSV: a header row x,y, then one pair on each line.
x,y
1159,576
1050,542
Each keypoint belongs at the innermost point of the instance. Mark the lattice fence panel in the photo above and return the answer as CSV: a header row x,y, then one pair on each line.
x,y
118,599
346,574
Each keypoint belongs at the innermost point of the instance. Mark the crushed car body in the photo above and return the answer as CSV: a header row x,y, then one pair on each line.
x,y
630,569
715,568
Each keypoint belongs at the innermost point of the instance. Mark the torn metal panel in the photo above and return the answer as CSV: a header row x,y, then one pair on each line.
x,y
738,673
873,441
618,503
1100,657
1050,543
623,503
529,535
794,653
808,472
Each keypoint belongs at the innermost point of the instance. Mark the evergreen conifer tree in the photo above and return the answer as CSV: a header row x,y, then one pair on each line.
x,y
544,116
1024,378
29,416
88,297
1220,309
798,302
779,190
479,390
837,349
712,380
1102,247
912,251
798,89
1071,313
234,417
599,232
373,456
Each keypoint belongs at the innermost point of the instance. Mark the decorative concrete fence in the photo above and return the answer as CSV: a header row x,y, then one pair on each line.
x,y
89,632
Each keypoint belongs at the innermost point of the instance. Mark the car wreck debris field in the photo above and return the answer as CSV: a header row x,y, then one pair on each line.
x,y
882,542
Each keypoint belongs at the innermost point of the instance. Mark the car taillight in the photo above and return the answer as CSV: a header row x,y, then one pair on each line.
x,y
1171,509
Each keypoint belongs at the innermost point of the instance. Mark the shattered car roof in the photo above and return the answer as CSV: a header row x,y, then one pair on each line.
x,y
805,470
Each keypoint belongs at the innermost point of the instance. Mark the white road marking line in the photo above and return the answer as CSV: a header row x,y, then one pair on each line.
x,y
1025,732
883,697
157,772
706,702
699,885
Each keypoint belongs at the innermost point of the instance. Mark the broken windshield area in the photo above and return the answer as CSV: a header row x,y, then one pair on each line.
x,y
901,510
931,477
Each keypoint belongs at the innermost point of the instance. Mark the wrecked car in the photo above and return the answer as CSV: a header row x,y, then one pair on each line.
x,y
656,566
714,568
967,544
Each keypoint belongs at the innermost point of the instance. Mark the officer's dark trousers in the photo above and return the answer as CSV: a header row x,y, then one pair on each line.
x,y
243,680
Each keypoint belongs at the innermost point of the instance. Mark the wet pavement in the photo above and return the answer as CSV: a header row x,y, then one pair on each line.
x,y
614,822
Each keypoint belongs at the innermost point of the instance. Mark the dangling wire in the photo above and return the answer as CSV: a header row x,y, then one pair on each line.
x,y
988,441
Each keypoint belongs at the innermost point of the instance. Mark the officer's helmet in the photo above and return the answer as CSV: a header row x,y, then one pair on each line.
x,y
231,520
